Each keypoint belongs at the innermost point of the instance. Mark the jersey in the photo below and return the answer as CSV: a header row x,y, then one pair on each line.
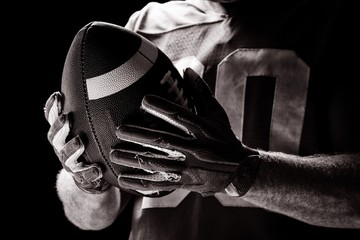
x,y
285,79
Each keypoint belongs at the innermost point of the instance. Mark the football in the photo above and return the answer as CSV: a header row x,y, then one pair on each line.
x,y
108,70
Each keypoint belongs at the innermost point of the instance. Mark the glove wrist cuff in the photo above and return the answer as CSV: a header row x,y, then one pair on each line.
x,y
244,176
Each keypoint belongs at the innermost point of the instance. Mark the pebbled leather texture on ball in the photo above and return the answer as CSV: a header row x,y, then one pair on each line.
x,y
107,72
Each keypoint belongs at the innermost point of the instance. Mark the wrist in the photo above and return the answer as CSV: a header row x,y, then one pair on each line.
x,y
244,176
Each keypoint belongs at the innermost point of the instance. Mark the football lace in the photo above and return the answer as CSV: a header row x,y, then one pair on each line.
x,y
173,87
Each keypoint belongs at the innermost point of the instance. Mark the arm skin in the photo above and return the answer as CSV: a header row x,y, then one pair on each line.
x,y
319,190
84,210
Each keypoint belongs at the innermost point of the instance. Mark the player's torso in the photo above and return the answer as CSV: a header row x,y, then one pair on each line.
x,y
281,79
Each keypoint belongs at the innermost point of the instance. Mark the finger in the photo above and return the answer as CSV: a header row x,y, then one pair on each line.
x,y
189,122
71,152
144,185
147,161
82,172
170,112
87,173
199,91
156,140
153,177
53,107
149,193
58,132
205,103
196,84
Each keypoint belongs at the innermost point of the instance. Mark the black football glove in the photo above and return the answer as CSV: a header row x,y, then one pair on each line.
x,y
200,154
88,177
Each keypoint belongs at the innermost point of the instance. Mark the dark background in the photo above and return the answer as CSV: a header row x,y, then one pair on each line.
x,y
36,38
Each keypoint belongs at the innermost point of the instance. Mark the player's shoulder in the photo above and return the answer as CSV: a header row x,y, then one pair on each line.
x,y
155,17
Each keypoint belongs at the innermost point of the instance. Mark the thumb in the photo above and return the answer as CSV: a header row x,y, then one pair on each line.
x,y
204,100
53,107
199,90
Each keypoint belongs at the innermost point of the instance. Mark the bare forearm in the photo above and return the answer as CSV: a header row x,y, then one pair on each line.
x,y
319,190
87,211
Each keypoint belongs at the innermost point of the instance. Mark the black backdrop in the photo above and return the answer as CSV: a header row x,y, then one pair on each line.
x,y
37,40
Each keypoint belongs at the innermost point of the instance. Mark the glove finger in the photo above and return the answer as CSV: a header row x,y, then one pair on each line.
x,y
81,171
165,143
204,100
147,161
190,123
146,185
87,173
153,176
53,107
70,153
199,90
58,132
171,113
149,193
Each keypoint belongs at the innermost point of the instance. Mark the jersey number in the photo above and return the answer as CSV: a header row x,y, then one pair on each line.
x,y
292,76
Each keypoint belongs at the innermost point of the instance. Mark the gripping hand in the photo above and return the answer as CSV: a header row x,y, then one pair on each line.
x,y
88,177
199,152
